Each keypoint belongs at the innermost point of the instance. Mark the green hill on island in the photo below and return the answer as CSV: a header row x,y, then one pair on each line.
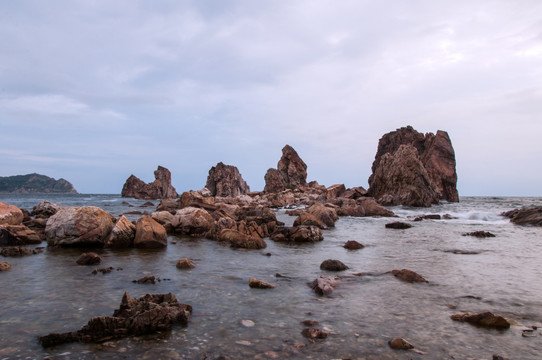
x,y
35,183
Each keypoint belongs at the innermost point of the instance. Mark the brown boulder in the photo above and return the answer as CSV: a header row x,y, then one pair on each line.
x,y
237,239
192,221
18,235
309,219
335,191
225,180
325,214
88,259
185,264
400,344
10,214
45,209
324,285
398,225
18,251
87,226
122,235
353,245
408,276
291,172
149,234
4,265
274,182
526,216
333,265
158,189
361,207
300,234
195,199
259,284
482,319
168,205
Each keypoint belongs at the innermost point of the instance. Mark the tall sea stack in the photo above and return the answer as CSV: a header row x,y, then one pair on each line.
x,y
225,180
158,189
291,172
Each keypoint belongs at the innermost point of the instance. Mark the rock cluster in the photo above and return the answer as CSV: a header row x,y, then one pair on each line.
x,y
527,216
291,172
225,180
158,189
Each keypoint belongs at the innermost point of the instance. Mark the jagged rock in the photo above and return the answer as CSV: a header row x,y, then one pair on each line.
x,y
400,344
45,209
428,217
158,189
149,279
526,216
19,251
362,207
87,226
122,235
149,314
335,191
398,225
18,235
89,259
149,234
10,214
479,234
482,319
353,245
354,193
192,221
309,219
300,234
333,265
436,155
325,214
324,285
314,333
195,199
236,239
168,205
408,276
225,180
291,172
185,264
258,284
4,265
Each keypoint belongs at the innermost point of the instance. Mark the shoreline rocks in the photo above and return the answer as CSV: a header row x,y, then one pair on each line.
x,y
158,189
526,216
225,180
291,172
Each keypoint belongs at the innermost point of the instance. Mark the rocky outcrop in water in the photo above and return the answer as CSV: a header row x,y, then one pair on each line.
x,y
10,214
259,284
35,184
149,234
486,319
122,235
422,173
158,189
90,258
4,266
324,285
298,234
149,314
333,265
18,235
526,216
18,251
291,172
225,180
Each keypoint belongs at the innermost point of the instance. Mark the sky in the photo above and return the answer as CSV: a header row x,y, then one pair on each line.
x,y
94,91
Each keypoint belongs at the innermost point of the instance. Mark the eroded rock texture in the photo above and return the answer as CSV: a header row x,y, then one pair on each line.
x,y
158,189
225,180
291,172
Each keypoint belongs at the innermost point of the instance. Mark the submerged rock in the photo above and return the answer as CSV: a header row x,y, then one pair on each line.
x,y
480,234
353,245
333,265
398,225
185,264
89,259
487,319
19,251
400,344
314,333
324,285
4,265
526,216
259,284
408,276
160,188
225,180
147,315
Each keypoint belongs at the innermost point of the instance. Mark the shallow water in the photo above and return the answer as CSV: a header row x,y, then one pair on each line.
x,y
49,292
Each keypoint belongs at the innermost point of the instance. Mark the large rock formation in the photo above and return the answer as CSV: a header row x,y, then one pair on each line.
x,y
291,172
159,189
225,180
414,169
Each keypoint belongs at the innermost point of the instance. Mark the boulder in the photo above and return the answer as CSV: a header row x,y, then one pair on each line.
x,y
353,245
237,239
408,276
274,182
168,205
333,265
122,235
291,172
486,319
160,188
314,333
87,226
259,284
185,264
192,221
324,285
90,258
10,214
324,214
309,219
526,216
149,234
225,180
45,209
362,207
398,225
195,199
335,191
18,235
18,251
149,314
299,234
400,344
4,265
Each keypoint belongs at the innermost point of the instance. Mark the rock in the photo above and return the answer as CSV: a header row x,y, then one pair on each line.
x,y
122,235
353,245
295,212
498,357
335,191
298,234
310,323
314,333
192,221
325,214
149,234
363,207
486,319
398,225
408,276
168,205
158,189
149,314
258,284
333,265
354,193
150,279
480,234
19,251
400,344
185,264
45,209
324,285
436,155
526,216
291,172
87,226
247,323
4,265
236,239
147,204
18,235
309,219
428,217
89,259
10,214
225,180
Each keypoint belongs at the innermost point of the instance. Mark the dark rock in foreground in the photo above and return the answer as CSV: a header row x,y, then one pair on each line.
x,y
480,234
333,265
398,225
486,319
526,216
408,276
158,189
147,315
225,180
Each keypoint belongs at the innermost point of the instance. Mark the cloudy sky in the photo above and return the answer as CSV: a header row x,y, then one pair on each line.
x,y
93,91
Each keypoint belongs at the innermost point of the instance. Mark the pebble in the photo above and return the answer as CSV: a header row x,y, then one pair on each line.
x,y
247,323
244,342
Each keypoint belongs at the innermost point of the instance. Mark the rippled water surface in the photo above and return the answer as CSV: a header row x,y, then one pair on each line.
x,y
49,292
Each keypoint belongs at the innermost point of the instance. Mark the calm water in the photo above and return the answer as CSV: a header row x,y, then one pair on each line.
x,y
50,293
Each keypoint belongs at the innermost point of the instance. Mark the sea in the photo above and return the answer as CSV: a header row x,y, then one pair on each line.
x,y
49,292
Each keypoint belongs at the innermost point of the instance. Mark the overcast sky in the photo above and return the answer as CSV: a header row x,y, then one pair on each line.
x,y
93,91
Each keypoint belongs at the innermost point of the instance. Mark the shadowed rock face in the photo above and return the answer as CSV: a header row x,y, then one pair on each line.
x,y
412,177
225,180
291,172
159,189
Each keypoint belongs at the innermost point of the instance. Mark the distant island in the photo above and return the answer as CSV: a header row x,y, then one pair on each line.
x,y
35,184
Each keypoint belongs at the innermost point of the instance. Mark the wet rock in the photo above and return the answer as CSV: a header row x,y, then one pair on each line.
x,y
310,322
498,357
314,333
259,284
147,204
480,234
160,188
335,191
169,205
196,199
236,239
149,279
298,234
247,323
4,265
398,225
408,276
324,214
225,180
310,220
18,235
87,226
363,207
324,285
149,234
192,221
149,314
353,245
400,344
295,212
291,172
122,235
428,217
185,264
333,265
89,259
10,214
486,319
104,271
45,209
526,216
19,251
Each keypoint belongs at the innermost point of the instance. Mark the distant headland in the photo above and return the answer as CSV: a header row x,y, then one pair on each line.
x,y
35,184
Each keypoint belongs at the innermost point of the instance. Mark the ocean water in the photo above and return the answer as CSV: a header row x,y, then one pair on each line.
x,y
49,292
